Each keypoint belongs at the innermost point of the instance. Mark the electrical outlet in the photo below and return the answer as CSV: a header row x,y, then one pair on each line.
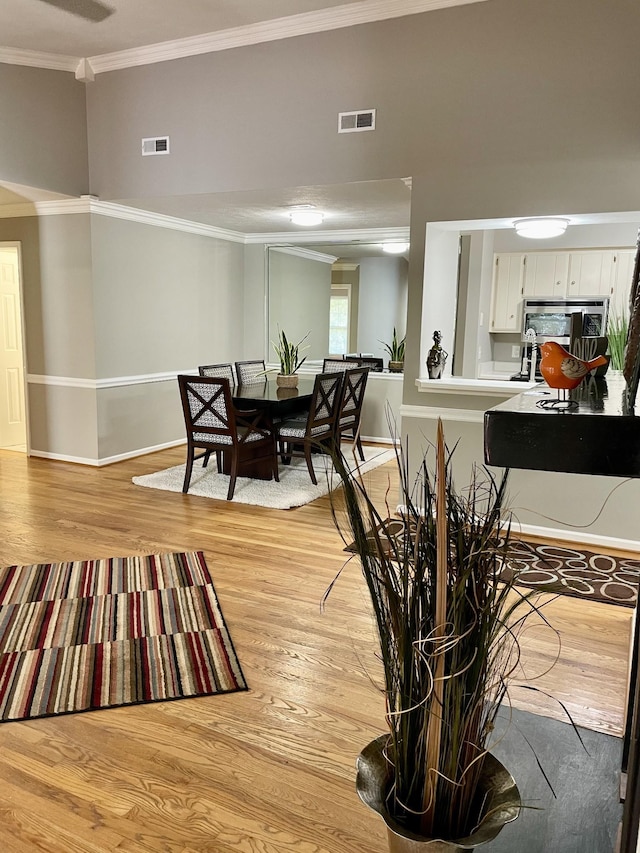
x,y
515,351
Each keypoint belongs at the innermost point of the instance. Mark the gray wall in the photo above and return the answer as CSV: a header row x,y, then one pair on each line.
x,y
382,303
43,129
299,295
492,82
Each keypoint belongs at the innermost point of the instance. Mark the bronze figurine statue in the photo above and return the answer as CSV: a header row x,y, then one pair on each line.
x,y
436,358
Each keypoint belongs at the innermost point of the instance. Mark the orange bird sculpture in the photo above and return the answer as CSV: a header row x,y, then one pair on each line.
x,y
560,369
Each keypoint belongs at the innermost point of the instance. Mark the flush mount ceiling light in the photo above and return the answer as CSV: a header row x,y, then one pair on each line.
x,y
541,228
394,248
305,214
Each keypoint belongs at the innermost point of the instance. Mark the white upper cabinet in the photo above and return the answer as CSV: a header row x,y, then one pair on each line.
x,y
546,274
507,290
591,273
622,275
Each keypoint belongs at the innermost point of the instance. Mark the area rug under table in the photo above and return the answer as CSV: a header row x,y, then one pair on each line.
x,y
92,634
294,489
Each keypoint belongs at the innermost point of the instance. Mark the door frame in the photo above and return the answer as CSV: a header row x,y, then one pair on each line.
x,y
17,244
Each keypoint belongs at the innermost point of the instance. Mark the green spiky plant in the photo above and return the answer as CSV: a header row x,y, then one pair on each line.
x,y
289,353
396,347
448,628
617,331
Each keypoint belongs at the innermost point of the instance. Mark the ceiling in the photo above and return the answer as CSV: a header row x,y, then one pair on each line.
x,y
37,26
95,28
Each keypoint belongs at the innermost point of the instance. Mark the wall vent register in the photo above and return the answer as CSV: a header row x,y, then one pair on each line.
x,y
357,120
155,145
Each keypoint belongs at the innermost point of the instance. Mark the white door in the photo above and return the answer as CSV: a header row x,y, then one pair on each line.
x,y
13,432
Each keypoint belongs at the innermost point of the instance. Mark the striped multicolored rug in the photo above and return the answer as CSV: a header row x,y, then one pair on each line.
x,y
95,634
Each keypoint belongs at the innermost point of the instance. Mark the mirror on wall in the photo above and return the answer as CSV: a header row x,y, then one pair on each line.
x,y
348,297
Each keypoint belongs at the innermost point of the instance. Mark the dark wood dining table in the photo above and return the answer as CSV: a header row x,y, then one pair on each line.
x,y
279,403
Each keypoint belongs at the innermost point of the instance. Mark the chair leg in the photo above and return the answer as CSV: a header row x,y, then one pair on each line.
x,y
219,461
206,459
188,469
359,446
234,474
307,456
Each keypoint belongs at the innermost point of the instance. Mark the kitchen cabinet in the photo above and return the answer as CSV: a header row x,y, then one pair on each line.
x,y
507,291
546,274
590,273
558,275
622,275
575,273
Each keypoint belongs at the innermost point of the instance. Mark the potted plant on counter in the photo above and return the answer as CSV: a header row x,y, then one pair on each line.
x,y
290,360
396,353
448,628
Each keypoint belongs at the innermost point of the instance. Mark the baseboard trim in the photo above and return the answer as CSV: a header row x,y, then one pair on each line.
x,y
579,537
108,460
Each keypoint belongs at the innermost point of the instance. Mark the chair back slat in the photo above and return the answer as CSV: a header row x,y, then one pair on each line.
x,y
333,365
353,388
219,371
250,372
207,405
325,400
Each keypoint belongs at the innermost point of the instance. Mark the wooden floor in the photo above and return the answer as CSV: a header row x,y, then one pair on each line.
x,y
270,770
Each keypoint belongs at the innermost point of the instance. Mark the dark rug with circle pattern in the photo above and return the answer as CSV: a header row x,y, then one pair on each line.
x,y
574,571
552,568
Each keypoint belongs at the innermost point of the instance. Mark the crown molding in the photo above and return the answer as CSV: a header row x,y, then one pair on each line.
x,y
90,204
305,23
36,59
346,235
308,254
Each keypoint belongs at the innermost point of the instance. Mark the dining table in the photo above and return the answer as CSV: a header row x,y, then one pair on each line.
x,y
279,403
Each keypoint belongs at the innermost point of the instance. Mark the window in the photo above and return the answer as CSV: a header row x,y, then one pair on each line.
x,y
339,306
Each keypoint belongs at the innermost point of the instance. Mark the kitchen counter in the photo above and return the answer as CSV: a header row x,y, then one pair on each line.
x,y
498,387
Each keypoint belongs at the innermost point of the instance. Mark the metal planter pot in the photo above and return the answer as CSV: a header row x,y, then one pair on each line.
x,y
372,783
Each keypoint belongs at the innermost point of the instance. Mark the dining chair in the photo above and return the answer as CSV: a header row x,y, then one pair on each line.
x,y
215,426
221,371
330,365
354,384
300,436
374,364
249,372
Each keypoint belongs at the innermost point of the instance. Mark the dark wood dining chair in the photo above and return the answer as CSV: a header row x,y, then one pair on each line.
x,y
249,372
331,365
354,384
220,371
300,436
373,363
215,426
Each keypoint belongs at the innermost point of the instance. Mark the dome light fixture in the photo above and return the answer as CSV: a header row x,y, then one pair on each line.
x,y
394,248
305,214
541,228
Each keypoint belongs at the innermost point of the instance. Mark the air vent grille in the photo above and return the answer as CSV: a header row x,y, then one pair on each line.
x,y
355,121
155,145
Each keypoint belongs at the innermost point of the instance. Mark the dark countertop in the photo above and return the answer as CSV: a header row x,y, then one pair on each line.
x,y
597,436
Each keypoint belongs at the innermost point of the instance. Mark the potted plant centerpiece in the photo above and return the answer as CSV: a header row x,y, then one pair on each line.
x,y
448,627
396,353
290,361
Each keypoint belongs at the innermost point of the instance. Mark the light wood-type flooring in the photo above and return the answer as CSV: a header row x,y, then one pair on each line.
x,y
270,770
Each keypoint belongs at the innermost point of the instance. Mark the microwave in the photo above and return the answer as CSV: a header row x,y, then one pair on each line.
x,y
564,320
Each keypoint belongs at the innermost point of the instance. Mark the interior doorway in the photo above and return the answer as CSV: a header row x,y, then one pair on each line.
x,y
13,420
